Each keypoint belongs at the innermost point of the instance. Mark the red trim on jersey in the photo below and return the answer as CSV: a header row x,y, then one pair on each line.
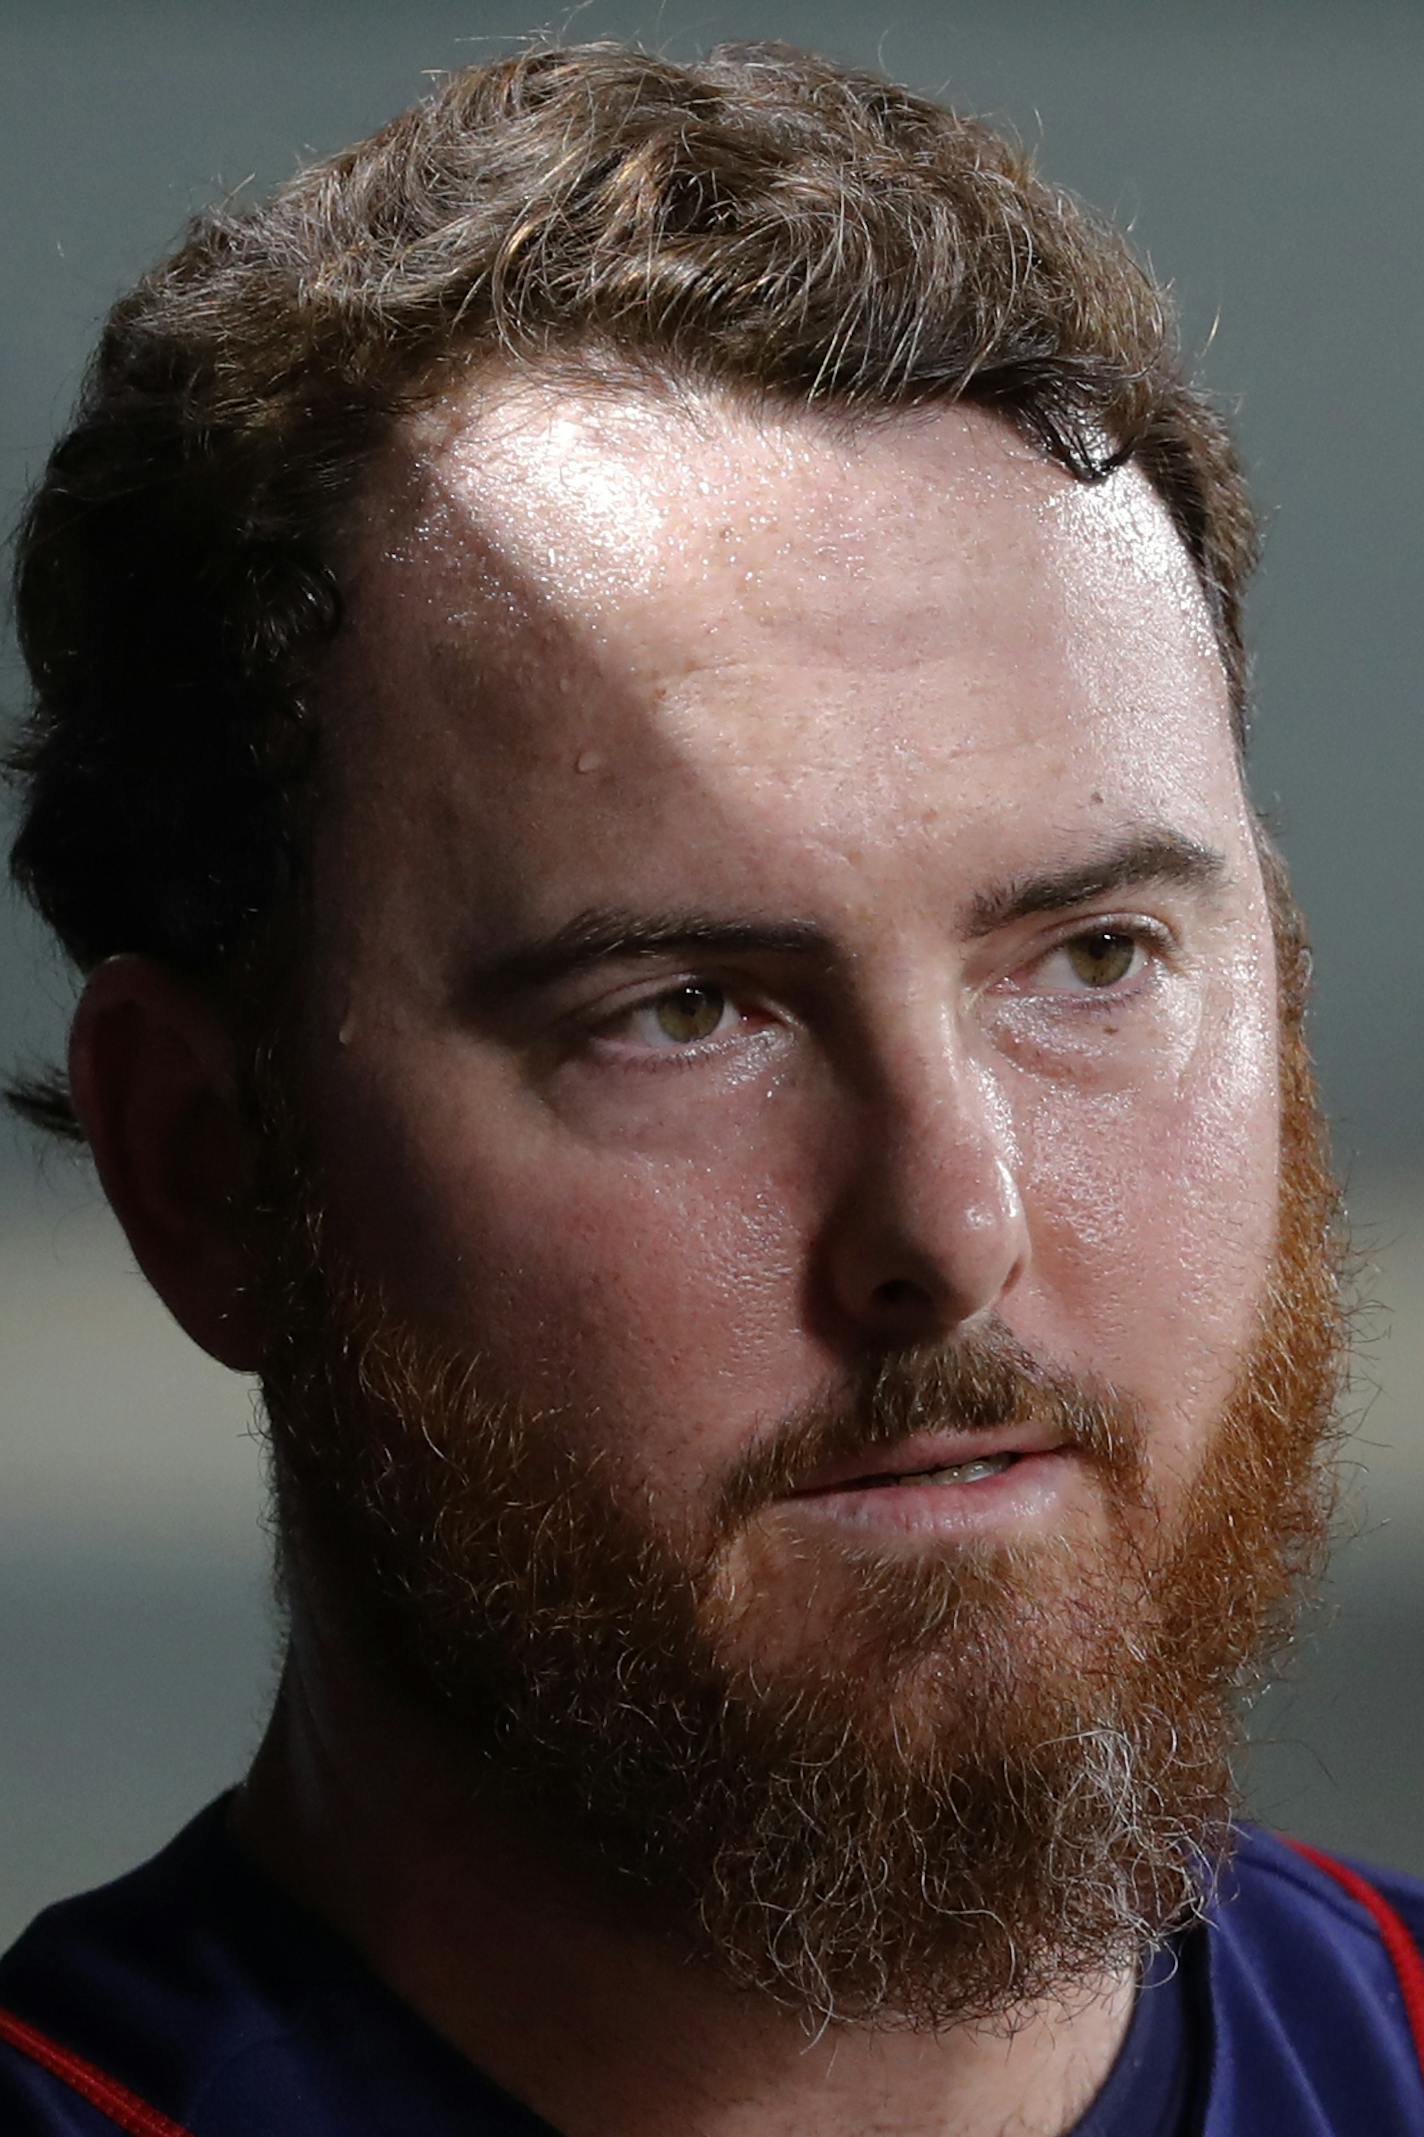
x,y
123,2108
127,2112
1403,1952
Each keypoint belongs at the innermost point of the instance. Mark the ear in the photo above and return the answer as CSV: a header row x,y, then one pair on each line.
x,y
151,1071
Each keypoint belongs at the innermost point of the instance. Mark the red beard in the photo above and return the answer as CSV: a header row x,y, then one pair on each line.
x,y
1000,1771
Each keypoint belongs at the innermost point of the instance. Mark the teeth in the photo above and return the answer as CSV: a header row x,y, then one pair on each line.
x,y
984,1465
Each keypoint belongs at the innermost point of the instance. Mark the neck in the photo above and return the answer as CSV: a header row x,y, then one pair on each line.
x,y
579,1999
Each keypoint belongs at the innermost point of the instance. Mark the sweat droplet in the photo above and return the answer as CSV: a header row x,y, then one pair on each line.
x,y
588,760
343,1037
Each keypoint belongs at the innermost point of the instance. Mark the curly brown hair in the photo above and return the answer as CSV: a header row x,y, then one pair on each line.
x,y
762,220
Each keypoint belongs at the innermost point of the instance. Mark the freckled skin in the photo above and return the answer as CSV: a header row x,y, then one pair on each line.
x,y
669,658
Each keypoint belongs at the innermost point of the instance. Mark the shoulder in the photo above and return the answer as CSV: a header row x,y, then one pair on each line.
x,y
130,2006
1287,1884
192,1998
89,1979
1316,1993
48,2091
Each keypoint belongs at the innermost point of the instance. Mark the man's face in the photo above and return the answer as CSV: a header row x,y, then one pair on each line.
x,y
787,921
618,660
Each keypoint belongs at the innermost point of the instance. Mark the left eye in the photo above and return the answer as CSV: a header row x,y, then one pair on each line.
x,y
1099,958
681,1017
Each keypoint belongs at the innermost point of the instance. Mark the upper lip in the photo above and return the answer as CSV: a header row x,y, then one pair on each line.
x,y
927,1450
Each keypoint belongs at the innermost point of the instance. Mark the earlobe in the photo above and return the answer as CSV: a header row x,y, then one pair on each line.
x,y
152,1073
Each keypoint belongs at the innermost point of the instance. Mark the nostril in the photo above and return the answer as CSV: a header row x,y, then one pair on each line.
x,y
899,1291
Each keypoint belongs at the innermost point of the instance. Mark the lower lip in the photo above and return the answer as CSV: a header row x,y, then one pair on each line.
x,y
1032,1493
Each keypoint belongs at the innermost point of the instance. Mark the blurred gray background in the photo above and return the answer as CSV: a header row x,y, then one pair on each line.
x,y
1265,153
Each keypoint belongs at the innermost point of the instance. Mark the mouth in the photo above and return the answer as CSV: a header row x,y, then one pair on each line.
x,y
974,1471
984,1484
944,1459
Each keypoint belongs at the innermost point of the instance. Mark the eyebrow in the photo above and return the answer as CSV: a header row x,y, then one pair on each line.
x,y
1148,856
606,935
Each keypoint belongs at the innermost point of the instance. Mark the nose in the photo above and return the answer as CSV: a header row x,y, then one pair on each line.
x,y
929,1230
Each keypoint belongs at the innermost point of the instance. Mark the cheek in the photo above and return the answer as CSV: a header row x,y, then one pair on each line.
x,y
1153,1216
659,1296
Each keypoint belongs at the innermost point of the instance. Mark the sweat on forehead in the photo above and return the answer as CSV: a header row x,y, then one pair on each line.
x,y
520,515
613,652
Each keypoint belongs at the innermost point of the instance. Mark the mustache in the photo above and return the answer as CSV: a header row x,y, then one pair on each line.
x,y
983,1382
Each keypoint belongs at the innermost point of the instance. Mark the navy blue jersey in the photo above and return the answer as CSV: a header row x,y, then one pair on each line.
x,y
193,1997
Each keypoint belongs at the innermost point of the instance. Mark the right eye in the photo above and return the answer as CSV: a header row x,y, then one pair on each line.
x,y
679,1018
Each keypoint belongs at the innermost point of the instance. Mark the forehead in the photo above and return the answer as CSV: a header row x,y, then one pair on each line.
x,y
581,620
